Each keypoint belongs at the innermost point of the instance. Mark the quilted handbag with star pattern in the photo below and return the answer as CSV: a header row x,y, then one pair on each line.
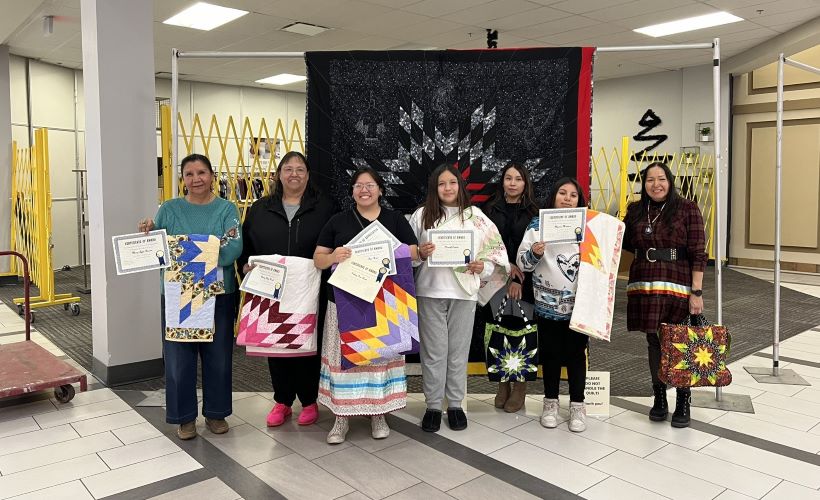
x,y
694,355
511,345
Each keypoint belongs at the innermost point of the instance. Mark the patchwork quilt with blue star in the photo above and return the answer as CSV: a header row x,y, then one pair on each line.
x,y
192,283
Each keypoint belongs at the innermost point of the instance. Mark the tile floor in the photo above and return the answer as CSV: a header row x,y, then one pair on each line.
x,y
107,443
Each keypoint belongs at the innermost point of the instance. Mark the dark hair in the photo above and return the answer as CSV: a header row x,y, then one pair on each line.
x,y
433,209
372,173
638,210
528,202
553,192
195,157
279,189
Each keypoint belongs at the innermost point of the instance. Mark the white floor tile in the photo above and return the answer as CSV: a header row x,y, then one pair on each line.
x,y
732,495
764,461
657,478
780,416
811,394
85,398
720,472
412,412
791,491
429,465
797,344
50,475
136,433
550,467
210,489
291,474
421,491
26,410
236,396
697,413
248,445
107,422
487,486
771,432
688,438
490,416
613,488
567,444
58,452
478,437
36,439
253,410
358,468
534,406
138,452
621,438
19,426
79,413
793,404
309,441
140,474
66,491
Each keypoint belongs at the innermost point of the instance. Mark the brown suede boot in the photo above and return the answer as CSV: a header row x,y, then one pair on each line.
x,y
517,395
503,394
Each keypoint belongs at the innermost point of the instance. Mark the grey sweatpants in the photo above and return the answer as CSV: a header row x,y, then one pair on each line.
x,y
445,331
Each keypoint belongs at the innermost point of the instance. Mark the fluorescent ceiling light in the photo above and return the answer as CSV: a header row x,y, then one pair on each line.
x,y
205,16
282,79
305,29
689,24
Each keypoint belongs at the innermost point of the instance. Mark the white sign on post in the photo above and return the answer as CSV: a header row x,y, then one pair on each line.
x,y
596,394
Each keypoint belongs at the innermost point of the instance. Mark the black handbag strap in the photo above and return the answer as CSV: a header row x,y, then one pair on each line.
x,y
696,320
503,306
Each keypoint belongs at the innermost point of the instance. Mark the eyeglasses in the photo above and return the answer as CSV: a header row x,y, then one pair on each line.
x,y
300,171
370,186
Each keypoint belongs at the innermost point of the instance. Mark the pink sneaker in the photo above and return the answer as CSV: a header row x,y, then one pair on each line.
x,y
278,414
309,415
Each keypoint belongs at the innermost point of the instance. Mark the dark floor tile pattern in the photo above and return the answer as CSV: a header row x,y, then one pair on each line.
x,y
748,309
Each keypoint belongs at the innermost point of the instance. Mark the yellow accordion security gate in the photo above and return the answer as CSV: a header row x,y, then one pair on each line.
x,y
616,182
31,223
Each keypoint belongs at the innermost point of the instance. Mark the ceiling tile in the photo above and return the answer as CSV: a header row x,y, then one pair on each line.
x,y
636,8
485,13
528,18
582,6
795,16
667,15
438,8
543,30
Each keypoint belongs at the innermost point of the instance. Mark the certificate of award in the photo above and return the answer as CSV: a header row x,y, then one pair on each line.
x,y
360,277
134,253
379,252
375,231
266,279
454,247
562,225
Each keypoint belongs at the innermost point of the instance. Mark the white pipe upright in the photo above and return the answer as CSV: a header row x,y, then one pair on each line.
x,y
777,216
174,122
717,242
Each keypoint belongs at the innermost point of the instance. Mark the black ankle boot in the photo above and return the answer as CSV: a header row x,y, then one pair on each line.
x,y
660,408
681,416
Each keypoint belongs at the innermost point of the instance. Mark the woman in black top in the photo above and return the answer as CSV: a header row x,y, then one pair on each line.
x,y
380,387
287,222
511,209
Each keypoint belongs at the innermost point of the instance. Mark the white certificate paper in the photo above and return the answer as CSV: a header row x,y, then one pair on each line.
x,y
562,225
375,231
454,247
266,279
360,277
137,252
379,252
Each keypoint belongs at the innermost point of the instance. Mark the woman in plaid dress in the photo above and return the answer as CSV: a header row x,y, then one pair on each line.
x,y
665,232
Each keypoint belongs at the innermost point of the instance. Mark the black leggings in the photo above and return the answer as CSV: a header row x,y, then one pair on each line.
x,y
292,377
654,348
559,346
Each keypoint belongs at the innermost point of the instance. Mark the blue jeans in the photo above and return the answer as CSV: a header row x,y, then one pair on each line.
x,y
181,367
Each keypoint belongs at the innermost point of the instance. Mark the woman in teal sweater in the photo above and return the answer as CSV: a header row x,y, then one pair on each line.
x,y
201,212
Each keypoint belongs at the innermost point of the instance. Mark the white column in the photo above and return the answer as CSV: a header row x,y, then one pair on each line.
x,y
120,142
5,155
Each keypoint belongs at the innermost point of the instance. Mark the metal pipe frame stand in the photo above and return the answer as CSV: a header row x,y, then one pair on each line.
x,y
728,402
765,375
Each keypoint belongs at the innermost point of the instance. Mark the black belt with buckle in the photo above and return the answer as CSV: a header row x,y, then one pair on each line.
x,y
662,254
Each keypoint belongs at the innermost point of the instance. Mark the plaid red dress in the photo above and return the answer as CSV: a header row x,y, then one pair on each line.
x,y
658,292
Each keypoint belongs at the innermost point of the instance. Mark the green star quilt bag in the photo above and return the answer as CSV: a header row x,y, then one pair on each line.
x,y
511,346
694,355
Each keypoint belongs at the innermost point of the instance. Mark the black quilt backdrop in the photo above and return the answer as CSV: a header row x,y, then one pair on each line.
x,y
405,112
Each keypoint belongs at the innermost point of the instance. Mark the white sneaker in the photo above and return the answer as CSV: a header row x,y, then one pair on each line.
x,y
379,427
549,417
577,417
339,431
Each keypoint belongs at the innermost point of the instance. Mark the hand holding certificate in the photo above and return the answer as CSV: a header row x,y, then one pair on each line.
x,y
562,225
139,252
453,247
266,279
359,276
378,252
